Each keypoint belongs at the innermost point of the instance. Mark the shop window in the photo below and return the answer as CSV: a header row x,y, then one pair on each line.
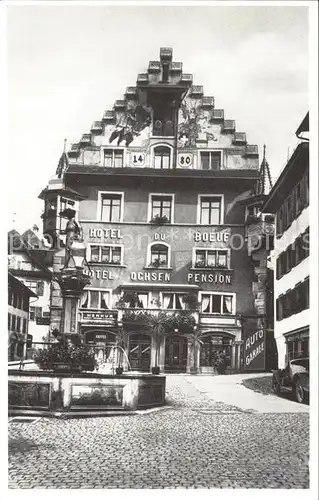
x,y
173,301
161,208
113,158
205,258
217,303
210,160
210,212
159,255
96,299
106,254
162,157
111,207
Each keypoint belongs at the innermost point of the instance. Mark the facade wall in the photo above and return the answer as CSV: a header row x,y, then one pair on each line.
x,y
292,332
40,306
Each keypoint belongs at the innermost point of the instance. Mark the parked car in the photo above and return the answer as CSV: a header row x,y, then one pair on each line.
x,y
294,379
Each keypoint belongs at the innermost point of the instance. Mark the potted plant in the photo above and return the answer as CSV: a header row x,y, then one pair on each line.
x,y
158,263
155,324
65,357
159,220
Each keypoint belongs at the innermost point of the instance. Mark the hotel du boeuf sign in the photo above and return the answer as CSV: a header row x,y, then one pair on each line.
x,y
254,350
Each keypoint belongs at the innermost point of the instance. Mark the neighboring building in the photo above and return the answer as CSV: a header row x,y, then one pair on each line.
x,y
18,317
29,261
289,201
158,187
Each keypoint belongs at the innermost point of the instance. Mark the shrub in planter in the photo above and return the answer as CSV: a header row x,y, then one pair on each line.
x,y
59,357
157,219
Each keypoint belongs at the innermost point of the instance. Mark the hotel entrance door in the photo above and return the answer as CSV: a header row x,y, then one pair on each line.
x,y
140,352
175,354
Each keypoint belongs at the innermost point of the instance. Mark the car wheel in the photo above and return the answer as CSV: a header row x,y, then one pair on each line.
x,y
276,387
300,393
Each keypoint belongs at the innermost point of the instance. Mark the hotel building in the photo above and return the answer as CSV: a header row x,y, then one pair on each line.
x,y
160,187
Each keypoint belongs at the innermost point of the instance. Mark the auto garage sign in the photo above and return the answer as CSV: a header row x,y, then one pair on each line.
x,y
254,351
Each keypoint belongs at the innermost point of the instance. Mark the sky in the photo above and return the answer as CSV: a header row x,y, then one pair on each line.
x,y
67,64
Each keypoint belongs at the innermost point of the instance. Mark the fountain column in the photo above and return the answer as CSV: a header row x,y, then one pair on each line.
x,y
72,279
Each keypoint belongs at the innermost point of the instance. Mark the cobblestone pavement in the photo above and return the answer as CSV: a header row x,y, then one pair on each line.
x,y
194,443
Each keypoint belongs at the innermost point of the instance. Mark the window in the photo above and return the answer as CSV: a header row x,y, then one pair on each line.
x,y
159,255
15,299
210,160
111,207
293,301
14,319
173,301
161,207
213,303
18,324
298,199
106,254
113,158
211,258
280,221
162,157
288,212
96,299
210,211
9,321
66,204
35,312
136,300
24,326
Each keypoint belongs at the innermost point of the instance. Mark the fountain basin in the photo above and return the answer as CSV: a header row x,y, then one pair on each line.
x,y
44,393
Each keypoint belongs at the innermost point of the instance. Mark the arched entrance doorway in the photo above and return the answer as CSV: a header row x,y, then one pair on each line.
x,y
139,352
215,351
175,353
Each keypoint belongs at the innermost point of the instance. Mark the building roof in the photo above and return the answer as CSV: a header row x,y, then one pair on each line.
x,y
29,243
304,125
61,191
17,284
291,174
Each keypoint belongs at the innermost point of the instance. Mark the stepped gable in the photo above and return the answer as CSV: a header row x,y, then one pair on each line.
x,y
126,123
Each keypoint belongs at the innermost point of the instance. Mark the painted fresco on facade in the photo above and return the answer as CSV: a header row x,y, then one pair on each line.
x,y
193,121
